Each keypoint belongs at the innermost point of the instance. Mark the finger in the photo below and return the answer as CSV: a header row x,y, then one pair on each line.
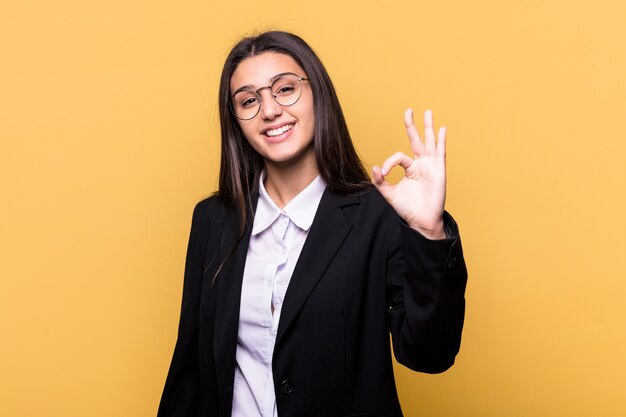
x,y
380,183
441,143
397,158
429,133
416,143
377,176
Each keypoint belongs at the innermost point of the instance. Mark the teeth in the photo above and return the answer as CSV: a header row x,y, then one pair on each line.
x,y
279,131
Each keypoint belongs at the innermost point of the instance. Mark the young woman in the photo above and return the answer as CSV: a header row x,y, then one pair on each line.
x,y
299,268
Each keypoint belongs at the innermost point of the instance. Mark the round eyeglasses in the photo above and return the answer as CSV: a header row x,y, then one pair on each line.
x,y
285,89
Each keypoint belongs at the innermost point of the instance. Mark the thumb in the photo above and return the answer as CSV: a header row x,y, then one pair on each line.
x,y
380,183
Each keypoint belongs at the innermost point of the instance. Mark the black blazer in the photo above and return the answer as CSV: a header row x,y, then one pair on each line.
x,y
362,274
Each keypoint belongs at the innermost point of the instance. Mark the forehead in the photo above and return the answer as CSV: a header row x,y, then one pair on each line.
x,y
256,71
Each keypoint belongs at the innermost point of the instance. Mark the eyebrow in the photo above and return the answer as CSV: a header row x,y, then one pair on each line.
x,y
250,87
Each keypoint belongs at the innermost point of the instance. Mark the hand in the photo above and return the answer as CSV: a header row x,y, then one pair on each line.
x,y
420,196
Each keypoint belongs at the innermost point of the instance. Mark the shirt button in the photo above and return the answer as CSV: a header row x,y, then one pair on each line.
x,y
286,387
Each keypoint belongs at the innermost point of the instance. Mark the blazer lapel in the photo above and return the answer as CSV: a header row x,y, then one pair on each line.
x,y
228,287
328,232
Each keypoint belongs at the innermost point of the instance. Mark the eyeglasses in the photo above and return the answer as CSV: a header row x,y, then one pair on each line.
x,y
286,89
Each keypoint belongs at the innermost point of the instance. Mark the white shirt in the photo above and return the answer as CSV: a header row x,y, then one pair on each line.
x,y
275,244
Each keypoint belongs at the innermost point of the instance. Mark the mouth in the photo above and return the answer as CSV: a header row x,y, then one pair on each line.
x,y
278,131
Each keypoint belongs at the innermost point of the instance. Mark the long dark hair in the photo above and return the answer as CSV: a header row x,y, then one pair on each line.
x,y
337,160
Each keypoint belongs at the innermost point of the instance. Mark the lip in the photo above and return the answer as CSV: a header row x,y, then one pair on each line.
x,y
276,126
280,138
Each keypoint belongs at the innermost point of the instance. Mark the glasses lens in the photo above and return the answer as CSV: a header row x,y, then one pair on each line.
x,y
287,89
245,104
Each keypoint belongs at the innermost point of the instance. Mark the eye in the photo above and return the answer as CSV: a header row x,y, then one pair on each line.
x,y
284,89
247,100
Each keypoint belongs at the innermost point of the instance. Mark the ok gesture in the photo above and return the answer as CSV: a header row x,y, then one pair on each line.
x,y
420,196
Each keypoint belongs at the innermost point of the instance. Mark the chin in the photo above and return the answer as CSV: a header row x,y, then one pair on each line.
x,y
289,158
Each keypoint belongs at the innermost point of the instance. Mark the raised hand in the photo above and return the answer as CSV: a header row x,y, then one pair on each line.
x,y
420,196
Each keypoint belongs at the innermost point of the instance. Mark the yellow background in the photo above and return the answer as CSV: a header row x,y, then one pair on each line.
x,y
109,136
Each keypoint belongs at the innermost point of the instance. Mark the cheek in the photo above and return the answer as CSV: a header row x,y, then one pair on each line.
x,y
311,123
311,128
311,114
247,131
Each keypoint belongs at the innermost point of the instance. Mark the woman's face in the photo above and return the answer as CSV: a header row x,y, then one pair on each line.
x,y
280,134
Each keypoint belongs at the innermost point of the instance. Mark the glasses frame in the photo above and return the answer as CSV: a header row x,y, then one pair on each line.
x,y
268,87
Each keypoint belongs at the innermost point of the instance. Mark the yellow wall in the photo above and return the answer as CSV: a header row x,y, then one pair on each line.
x,y
108,136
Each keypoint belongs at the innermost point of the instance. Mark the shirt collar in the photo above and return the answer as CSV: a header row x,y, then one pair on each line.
x,y
300,210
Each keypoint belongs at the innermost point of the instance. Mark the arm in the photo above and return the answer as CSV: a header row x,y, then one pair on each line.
x,y
426,284
181,395
426,271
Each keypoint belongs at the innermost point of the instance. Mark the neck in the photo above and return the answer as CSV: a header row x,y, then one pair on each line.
x,y
284,182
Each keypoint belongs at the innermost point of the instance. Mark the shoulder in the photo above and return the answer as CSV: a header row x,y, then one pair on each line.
x,y
369,196
209,204
373,201
373,196
366,208
210,210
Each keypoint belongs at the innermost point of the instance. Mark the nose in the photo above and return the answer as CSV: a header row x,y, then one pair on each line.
x,y
270,109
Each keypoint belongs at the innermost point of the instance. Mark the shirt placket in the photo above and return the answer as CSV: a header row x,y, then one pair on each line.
x,y
282,247
278,228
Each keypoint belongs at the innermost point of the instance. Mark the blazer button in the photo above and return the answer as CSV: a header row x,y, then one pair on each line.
x,y
286,387
451,262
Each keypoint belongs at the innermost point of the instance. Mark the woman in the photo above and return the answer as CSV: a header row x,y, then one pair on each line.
x,y
298,269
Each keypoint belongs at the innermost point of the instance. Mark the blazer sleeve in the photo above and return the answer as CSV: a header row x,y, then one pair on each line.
x,y
181,395
426,282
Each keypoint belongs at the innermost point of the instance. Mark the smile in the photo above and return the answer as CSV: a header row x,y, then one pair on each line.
x,y
278,131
